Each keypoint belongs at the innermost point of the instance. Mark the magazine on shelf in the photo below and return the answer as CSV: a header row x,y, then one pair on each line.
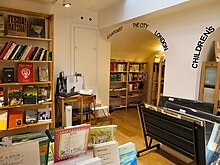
x,y
16,25
30,94
25,72
71,142
15,96
36,27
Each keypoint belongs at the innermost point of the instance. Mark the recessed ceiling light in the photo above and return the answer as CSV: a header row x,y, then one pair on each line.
x,y
66,3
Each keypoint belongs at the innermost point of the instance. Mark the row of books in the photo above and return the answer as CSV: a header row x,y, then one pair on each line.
x,y
136,86
29,94
16,118
118,77
133,77
114,67
136,68
13,51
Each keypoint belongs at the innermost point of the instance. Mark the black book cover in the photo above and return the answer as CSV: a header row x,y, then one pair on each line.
x,y
38,54
12,53
18,53
22,52
36,27
8,75
34,52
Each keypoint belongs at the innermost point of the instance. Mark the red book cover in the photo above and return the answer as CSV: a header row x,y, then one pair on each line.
x,y
25,72
111,67
29,53
15,118
5,49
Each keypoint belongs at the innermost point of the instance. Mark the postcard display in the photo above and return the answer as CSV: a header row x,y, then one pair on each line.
x,y
26,92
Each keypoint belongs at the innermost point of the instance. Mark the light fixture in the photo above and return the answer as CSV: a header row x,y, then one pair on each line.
x,y
66,3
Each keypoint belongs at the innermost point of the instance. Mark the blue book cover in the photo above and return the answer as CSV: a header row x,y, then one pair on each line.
x,y
127,154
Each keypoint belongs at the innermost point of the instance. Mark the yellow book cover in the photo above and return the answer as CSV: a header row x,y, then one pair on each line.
x,y
3,119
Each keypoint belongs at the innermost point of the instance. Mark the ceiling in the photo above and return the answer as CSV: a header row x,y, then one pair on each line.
x,y
93,5
135,44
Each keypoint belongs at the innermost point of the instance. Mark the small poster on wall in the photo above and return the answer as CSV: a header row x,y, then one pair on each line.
x,y
17,25
36,27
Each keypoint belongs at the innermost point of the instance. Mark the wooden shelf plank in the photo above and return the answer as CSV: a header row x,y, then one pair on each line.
x,y
120,89
30,125
135,81
25,105
118,72
27,61
118,81
26,83
26,38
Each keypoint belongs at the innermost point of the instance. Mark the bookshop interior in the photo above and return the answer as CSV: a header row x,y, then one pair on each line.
x,y
109,82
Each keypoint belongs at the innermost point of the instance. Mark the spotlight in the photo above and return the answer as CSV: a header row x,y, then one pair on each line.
x,y
66,3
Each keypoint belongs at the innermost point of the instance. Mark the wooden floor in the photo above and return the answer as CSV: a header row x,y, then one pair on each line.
x,y
129,130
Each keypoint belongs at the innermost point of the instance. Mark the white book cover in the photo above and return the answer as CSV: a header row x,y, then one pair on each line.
x,y
42,55
26,52
13,45
91,161
108,152
15,52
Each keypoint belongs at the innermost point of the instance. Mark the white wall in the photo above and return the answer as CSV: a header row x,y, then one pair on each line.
x,y
182,31
130,9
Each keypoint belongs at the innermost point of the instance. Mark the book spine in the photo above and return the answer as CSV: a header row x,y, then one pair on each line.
x,y
29,53
11,48
5,49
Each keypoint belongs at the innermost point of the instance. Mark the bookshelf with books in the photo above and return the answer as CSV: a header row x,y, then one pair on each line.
x,y
26,68
154,84
118,84
161,80
209,84
127,83
157,82
137,83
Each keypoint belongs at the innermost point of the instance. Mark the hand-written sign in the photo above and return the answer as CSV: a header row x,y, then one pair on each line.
x,y
209,30
20,154
17,25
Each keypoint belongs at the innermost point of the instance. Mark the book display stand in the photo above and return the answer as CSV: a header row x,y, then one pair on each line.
x,y
183,133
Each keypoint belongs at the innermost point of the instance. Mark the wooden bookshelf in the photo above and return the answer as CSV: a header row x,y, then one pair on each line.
x,y
127,83
157,82
210,84
48,44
